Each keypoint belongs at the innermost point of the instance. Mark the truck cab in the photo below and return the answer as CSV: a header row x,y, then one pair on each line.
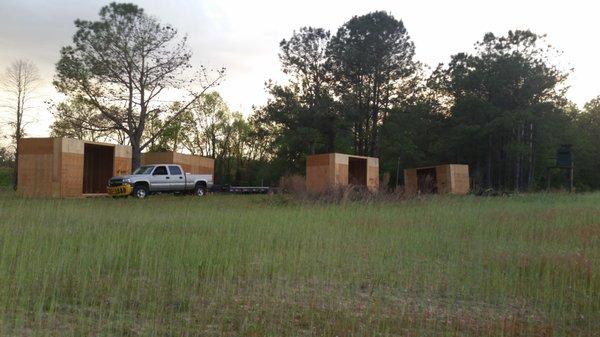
x,y
159,178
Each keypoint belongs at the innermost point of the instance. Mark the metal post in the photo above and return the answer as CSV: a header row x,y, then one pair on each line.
x,y
571,178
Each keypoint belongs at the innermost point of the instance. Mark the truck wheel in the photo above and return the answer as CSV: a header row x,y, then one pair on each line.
x,y
140,191
200,191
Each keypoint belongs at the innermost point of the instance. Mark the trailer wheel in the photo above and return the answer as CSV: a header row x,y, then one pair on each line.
x,y
200,190
140,191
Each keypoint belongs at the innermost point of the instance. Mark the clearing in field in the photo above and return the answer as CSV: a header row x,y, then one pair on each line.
x,y
267,266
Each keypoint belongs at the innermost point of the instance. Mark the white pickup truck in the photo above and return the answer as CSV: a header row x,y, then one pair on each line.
x,y
159,178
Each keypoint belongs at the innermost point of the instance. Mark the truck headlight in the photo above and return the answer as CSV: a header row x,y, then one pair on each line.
x,y
126,180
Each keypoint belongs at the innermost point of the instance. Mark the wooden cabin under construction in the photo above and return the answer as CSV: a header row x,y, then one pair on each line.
x,y
442,179
63,167
330,170
190,163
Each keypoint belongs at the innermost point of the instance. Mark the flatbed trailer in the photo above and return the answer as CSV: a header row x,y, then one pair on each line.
x,y
241,189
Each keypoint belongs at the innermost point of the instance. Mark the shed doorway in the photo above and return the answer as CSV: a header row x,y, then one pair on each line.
x,y
357,171
427,180
98,163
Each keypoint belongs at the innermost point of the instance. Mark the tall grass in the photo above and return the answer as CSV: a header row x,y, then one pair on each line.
x,y
261,266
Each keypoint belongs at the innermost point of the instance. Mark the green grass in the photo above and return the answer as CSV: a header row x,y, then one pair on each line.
x,y
261,266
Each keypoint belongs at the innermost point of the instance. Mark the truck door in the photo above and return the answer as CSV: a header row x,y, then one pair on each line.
x,y
160,180
177,178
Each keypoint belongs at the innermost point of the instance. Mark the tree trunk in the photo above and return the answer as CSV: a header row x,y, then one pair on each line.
x,y
16,168
530,176
489,163
136,154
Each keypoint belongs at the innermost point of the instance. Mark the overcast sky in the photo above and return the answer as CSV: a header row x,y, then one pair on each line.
x,y
243,36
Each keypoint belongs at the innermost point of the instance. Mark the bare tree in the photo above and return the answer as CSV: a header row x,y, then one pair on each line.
x,y
20,81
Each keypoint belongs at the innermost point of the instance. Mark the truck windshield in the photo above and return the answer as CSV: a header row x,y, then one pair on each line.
x,y
144,170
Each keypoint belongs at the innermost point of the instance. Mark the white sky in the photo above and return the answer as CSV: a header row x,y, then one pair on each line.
x,y
244,36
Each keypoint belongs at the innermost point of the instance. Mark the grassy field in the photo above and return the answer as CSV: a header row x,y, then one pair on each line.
x,y
265,266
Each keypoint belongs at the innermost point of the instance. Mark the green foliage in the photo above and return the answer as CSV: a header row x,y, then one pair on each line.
x,y
117,67
6,177
244,265
587,145
500,109
370,56
509,104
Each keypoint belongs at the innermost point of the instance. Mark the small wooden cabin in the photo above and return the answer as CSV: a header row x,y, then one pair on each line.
x,y
63,167
329,170
442,179
190,163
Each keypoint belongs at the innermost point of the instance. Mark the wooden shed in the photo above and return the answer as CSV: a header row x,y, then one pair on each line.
x,y
329,170
190,163
63,167
442,179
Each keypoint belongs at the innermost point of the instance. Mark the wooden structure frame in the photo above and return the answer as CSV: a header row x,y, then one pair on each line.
x,y
63,167
442,179
190,163
329,170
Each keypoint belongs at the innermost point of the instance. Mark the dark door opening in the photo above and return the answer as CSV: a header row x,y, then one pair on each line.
x,y
427,180
97,167
357,171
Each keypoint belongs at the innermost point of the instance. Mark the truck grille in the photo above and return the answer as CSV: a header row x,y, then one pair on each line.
x,y
115,182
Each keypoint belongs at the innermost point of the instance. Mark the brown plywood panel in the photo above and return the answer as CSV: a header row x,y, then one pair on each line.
x,y
460,179
443,179
71,180
318,159
157,158
320,172
341,175
332,169
35,175
36,145
317,178
373,173
123,151
71,145
122,166
410,181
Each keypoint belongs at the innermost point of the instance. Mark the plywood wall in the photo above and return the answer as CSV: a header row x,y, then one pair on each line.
x,y
71,167
450,179
460,179
411,185
37,171
190,163
321,172
324,171
122,163
53,167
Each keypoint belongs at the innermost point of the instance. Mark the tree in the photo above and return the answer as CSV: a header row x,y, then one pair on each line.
x,y
304,58
20,81
587,145
370,56
121,64
507,98
301,115
74,118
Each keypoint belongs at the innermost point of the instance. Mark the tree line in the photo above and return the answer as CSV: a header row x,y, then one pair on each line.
x,y
500,108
